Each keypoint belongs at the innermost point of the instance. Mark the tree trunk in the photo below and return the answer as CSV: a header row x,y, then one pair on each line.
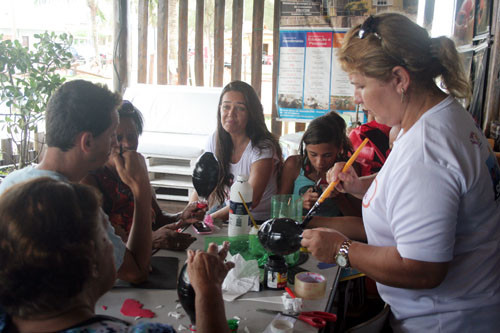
x,y
93,14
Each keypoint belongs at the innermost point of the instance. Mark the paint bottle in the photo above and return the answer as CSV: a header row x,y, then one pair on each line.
x,y
275,272
238,216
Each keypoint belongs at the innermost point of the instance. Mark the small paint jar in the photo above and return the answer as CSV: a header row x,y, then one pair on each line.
x,y
275,272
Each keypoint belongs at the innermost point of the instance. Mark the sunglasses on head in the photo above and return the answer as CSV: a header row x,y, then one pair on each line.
x,y
369,27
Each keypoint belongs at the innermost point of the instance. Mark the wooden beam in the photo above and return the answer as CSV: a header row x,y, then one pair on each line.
x,y
198,43
275,124
142,57
162,43
183,42
257,32
120,36
237,40
492,99
219,42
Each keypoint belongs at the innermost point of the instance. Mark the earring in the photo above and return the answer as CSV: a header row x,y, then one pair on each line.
x,y
402,95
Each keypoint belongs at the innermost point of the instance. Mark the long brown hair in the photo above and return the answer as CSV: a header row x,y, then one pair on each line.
x,y
391,39
256,130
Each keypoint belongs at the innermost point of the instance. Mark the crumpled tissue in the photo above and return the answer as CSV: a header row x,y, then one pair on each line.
x,y
242,278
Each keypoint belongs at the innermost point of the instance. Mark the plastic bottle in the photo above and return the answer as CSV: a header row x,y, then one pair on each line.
x,y
238,216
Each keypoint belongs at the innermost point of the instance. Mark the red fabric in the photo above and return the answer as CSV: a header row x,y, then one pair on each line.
x,y
371,158
133,308
118,200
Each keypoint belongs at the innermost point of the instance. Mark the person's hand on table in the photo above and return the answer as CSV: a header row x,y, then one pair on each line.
x,y
165,238
323,243
208,269
192,214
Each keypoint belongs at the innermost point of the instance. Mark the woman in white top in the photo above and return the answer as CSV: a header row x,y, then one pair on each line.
x,y
243,145
431,215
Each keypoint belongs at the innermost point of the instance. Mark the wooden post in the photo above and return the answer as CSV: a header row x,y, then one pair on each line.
x,y
7,155
237,39
183,42
276,126
120,36
198,43
162,45
257,31
300,127
151,68
492,101
142,60
219,42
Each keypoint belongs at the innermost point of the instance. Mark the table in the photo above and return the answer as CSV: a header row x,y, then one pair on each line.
x,y
164,301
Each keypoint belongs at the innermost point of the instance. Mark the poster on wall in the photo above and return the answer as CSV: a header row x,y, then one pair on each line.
x,y
463,29
310,80
482,19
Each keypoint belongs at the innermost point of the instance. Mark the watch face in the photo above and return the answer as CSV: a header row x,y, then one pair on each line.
x,y
341,260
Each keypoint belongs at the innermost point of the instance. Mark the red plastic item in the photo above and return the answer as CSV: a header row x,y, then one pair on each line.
x,y
317,319
201,205
133,308
290,292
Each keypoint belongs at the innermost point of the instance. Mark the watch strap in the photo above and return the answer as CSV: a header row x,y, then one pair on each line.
x,y
344,251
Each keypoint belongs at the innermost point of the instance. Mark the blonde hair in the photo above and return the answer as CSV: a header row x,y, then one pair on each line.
x,y
394,40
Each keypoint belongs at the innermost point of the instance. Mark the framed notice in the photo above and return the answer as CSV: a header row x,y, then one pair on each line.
x,y
310,80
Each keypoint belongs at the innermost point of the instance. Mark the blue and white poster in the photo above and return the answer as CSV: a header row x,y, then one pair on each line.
x,y
310,80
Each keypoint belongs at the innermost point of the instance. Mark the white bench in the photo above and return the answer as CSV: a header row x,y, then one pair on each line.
x,y
177,123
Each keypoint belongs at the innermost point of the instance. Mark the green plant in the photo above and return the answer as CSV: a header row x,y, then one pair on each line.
x,y
27,80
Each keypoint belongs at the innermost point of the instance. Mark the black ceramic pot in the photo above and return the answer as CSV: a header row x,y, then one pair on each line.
x,y
280,236
186,294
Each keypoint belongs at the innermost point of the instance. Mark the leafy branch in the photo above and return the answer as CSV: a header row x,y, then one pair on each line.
x,y
27,80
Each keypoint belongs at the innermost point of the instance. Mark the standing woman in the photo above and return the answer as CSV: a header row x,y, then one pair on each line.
x,y
432,213
243,145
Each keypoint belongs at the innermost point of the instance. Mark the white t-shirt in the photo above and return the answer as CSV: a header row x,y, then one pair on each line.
x,y
250,156
437,199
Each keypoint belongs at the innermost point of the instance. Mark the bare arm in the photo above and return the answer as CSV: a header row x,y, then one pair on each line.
x,y
350,226
260,175
290,172
131,168
383,264
207,271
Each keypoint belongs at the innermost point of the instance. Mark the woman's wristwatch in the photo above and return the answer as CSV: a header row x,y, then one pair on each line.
x,y
342,257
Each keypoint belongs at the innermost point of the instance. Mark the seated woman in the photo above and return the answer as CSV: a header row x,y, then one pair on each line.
x,y
243,145
118,201
323,143
57,260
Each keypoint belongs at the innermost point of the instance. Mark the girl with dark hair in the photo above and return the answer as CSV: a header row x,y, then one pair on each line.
x,y
323,143
118,201
243,145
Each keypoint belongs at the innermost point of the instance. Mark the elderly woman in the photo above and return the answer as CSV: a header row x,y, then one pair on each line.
x,y
118,200
243,145
57,260
431,215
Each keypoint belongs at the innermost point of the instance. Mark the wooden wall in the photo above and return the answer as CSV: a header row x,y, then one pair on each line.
x,y
492,99
183,74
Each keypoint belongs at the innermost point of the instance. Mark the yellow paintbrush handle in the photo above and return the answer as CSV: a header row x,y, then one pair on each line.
x,y
346,167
